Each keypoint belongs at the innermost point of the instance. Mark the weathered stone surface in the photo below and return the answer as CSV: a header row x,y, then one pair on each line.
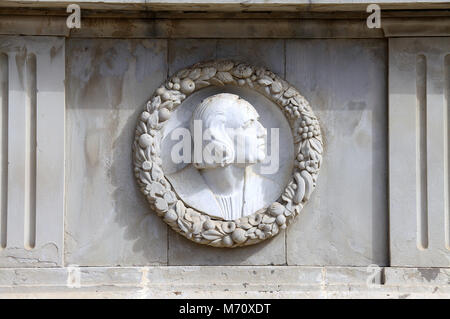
x,y
32,151
419,86
222,282
417,276
232,5
346,220
107,220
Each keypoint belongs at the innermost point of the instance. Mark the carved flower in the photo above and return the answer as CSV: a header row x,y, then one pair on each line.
x,y
228,227
255,219
147,165
242,71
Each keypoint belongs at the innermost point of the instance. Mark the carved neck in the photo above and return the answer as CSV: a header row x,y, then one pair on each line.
x,y
225,181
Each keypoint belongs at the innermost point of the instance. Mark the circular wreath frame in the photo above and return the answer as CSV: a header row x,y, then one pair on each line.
x,y
197,226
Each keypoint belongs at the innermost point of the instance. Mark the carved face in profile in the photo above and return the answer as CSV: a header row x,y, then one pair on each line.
x,y
233,134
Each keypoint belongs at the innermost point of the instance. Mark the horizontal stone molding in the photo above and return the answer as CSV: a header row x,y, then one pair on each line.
x,y
222,26
188,28
233,5
221,281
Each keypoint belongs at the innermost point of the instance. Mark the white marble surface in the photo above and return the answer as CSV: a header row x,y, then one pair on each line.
x,y
346,221
224,282
272,171
419,87
107,220
32,137
183,53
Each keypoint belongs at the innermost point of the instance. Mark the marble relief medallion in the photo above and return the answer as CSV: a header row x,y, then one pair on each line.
x,y
227,153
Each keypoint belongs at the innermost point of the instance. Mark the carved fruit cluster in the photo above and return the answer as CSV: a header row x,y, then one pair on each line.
x,y
203,228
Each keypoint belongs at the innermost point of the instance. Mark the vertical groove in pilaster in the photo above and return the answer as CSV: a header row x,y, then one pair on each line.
x,y
30,157
447,148
4,74
421,152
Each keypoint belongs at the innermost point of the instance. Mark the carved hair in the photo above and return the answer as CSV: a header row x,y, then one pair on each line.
x,y
212,115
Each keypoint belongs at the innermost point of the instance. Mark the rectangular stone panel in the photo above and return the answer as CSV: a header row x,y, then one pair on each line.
x,y
345,221
32,74
419,88
108,221
269,53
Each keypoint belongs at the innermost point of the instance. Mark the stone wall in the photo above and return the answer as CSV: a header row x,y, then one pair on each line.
x,y
69,103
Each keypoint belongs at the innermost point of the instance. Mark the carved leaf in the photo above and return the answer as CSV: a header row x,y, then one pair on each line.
x,y
268,219
224,66
309,183
316,145
290,92
157,173
167,104
297,139
197,227
301,188
265,80
182,225
152,121
211,234
216,81
180,208
156,101
224,77
201,84
276,87
207,73
183,73
195,74
145,177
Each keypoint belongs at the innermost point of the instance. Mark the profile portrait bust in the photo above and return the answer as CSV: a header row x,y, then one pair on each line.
x,y
227,153
228,140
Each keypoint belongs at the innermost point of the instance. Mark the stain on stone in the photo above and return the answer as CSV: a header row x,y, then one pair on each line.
x,y
403,296
429,274
54,51
20,63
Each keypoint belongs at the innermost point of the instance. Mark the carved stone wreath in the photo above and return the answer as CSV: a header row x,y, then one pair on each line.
x,y
200,227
